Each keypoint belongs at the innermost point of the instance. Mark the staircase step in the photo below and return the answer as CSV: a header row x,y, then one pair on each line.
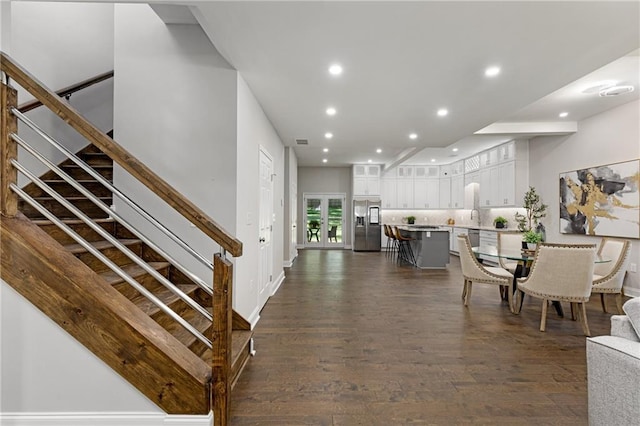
x,y
140,275
168,297
83,203
77,173
78,226
96,159
113,253
199,322
66,190
240,347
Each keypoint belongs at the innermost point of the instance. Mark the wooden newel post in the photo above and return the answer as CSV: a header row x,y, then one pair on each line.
x,y
221,340
8,151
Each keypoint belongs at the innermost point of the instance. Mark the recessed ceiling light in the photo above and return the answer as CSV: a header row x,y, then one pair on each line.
x,y
331,111
413,136
616,90
455,150
324,160
378,150
335,69
442,112
433,160
492,71
325,150
328,135
563,114
369,160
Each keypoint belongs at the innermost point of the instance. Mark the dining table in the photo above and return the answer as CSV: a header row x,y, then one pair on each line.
x,y
524,258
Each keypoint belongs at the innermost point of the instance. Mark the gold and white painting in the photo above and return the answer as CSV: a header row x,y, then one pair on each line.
x,y
601,201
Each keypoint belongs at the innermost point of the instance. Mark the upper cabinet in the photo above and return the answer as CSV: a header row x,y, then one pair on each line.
x,y
366,179
505,180
497,177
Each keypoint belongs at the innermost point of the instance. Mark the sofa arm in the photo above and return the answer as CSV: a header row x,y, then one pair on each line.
x,y
613,374
621,327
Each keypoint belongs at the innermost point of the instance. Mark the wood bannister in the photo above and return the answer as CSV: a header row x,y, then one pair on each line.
x,y
116,152
173,337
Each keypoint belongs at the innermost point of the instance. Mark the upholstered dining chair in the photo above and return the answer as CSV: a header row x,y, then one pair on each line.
x,y
562,273
608,277
509,241
474,271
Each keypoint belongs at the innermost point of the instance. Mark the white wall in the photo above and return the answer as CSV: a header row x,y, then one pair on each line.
x,y
325,179
255,131
62,44
291,201
610,137
44,369
175,110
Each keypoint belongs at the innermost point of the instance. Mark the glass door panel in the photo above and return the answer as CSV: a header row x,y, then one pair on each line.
x,y
324,220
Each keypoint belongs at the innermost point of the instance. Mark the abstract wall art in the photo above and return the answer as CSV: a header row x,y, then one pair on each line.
x,y
602,201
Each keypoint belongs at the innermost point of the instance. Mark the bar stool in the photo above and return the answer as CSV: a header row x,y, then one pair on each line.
x,y
405,252
391,240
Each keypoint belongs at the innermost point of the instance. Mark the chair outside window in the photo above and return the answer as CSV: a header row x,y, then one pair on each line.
x,y
473,271
333,233
608,277
563,273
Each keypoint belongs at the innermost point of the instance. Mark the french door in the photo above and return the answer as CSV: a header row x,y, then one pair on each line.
x,y
324,220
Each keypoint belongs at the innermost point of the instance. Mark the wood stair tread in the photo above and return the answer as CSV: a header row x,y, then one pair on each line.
x,y
100,245
198,321
132,270
239,340
165,295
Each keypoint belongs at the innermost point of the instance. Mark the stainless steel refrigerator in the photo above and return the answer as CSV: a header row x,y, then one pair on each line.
x,y
366,224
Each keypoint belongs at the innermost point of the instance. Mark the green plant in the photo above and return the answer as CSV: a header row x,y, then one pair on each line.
x,y
411,219
499,219
314,224
531,237
535,210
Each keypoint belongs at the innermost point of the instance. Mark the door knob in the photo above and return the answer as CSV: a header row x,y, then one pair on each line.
x,y
262,240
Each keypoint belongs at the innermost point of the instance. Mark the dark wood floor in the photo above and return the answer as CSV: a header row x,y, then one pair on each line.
x,y
354,339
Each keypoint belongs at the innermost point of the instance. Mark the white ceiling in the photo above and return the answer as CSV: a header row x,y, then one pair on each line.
x,y
404,60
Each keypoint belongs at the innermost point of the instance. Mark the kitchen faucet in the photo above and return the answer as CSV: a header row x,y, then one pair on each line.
x,y
478,215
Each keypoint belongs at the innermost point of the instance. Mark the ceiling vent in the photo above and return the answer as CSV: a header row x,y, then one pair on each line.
x,y
302,141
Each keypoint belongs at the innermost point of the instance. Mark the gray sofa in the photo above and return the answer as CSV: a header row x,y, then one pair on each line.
x,y
613,375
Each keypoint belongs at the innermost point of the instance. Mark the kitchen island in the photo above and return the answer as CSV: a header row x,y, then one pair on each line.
x,y
430,245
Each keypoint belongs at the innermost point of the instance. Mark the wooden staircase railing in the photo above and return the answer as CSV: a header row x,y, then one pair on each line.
x,y
224,318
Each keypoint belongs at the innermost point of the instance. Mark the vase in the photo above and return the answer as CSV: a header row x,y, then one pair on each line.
x,y
532,246
499,225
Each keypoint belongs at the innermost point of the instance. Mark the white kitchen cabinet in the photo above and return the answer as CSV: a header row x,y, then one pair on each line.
x,y
426,172
388,193
488,238
366,179
457,192
497,185
404,191
426,193
404,172
445,193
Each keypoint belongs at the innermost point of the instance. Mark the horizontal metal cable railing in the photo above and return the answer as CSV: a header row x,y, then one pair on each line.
x,y
112,240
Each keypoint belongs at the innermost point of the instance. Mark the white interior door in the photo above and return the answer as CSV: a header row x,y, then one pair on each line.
x,y
265,268
324,220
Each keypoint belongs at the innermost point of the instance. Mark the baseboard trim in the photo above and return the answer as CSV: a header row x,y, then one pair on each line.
x,y
277,283
254,318
631,292
287,264
103,419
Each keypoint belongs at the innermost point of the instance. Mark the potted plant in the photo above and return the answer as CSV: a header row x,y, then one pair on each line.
x,y
314,224
411,220
500,222
535,210
532,238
